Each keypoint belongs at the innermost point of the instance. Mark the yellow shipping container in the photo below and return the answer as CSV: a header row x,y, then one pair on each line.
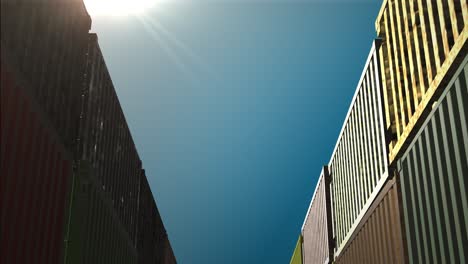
x,y
423,42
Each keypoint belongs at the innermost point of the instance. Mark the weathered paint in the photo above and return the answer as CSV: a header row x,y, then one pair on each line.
x,y
433,174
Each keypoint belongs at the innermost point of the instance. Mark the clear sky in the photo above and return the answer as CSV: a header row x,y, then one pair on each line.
x,y
234,107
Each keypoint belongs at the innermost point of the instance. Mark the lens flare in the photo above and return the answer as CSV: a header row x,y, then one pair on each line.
x,y
118,7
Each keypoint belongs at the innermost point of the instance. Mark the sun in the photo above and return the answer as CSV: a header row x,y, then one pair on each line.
x,y
118,7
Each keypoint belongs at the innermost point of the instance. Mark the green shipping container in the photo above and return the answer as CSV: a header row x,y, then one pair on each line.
x,y
297,254
95,233
433,174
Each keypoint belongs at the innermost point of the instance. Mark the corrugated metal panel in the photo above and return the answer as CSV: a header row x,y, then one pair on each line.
x,y
35,179
44,42
96,235
150,232
378,237
434,173
297,254
106,142
317,227
421,41
359,166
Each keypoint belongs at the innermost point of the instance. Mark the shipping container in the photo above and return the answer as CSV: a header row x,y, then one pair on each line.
x,y
60,111
359,166
105,139
95,233
44,43
169,257
379,237
422,43
150,232
317,240
297,254
35,175
433,174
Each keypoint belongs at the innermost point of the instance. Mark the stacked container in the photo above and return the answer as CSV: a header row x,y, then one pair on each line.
x,y
424,75
359,166
95,234
114,215
378,237
42,53
297,254
433,179
44,42
398,184
423,42
72,185
317,240
169,257
151,233
36,176
105,140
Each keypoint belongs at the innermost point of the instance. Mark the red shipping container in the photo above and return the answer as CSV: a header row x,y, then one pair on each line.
x,y
35,174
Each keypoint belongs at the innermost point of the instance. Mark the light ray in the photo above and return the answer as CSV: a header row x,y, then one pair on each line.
x,y
193,56
156,36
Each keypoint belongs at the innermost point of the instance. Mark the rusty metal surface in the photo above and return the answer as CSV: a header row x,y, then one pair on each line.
x,y
378,238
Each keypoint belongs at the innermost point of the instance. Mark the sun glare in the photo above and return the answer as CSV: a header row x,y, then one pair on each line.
x,y
118,7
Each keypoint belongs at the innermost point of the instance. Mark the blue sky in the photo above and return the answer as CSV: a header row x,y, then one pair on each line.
x,y
234,107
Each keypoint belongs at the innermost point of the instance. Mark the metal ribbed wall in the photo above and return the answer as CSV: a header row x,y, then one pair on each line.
x,y
45,41
433,174
63,107
316,230
378,238
96,235
359,162
105,140
150,232
35,175
421,40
